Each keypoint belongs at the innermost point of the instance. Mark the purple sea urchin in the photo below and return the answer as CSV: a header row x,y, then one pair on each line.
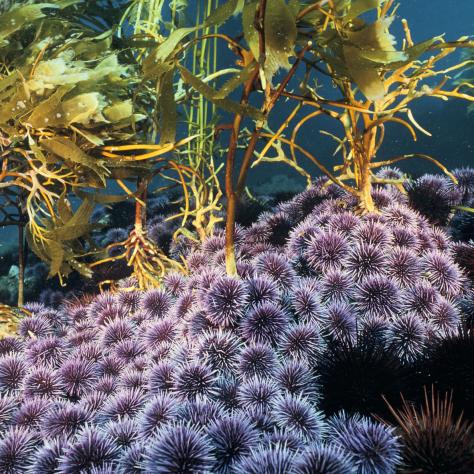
x,y
47,457
336,285
158,411
64,419
446,316
200,412
301,341
42,382
296,414
341,322
277,267
156,302
51,351
194,380
175,283
257,359
257,393
17,450
225,301
371,233
343,223
125,403
231,438
8,410
219,349
323,459
12,372
124,432
406,336
306,301
434,197
35,327
178,448
264,323
91,449
78,376
160,376
420,298
326,251
365,260
262,289
404,266
374,447
378,296
131,460
295,377
443,273
277,459
129,301
10,344
157,332
116,331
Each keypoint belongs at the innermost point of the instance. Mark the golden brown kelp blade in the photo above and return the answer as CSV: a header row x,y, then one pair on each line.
x,y
9,319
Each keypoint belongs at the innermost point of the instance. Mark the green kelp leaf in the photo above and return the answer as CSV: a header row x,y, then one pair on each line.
x,y
250,33
235,81
366,76
77,226
39,155
125,170
9,80
168,112
80,267
101,198
358,7
119,111
64,208
91,48
413,53
56,255
89,136
83,213
70,232
295,7
50,109
85,108
375,42
70,152
280,34
164,51
367,50
17,106
210,94
16,18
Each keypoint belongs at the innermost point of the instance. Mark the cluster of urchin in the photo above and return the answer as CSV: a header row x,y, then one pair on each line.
x,y
212,373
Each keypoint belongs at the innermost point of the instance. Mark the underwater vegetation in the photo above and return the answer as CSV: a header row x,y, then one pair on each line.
x,y
211,329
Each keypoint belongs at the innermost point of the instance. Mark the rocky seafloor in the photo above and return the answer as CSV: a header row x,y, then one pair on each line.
x,y
279,370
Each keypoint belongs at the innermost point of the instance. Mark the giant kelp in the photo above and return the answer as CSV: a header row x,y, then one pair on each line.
x,y
81,110
66,90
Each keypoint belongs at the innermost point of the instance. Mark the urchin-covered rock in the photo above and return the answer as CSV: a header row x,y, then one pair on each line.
x,y
215,373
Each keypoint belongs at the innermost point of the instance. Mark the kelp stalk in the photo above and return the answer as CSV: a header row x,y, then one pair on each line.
x,y
21,264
